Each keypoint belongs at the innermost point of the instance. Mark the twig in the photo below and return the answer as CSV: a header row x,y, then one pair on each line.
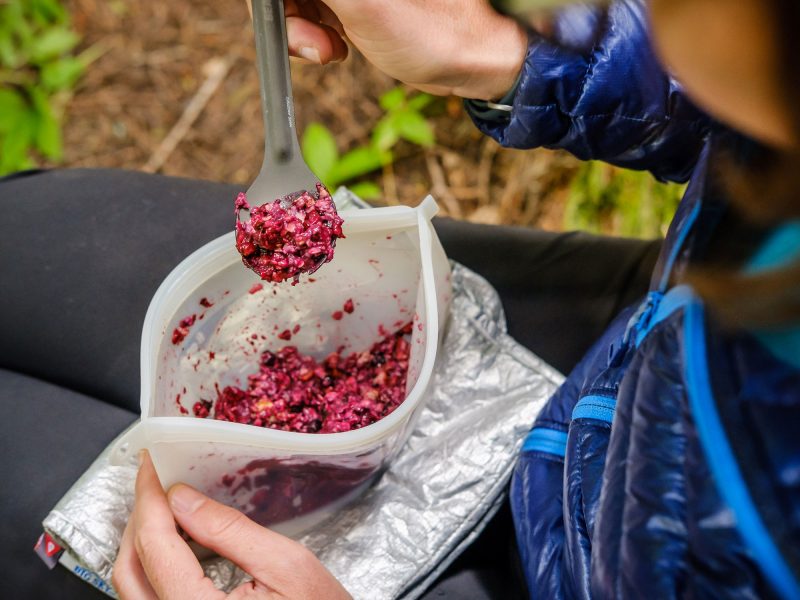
x,y
537,187
17,78
485,170
216,70
512,189
439,187
465,192
92,53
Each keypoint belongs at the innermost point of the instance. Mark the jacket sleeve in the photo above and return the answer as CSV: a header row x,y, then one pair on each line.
x,y
614,103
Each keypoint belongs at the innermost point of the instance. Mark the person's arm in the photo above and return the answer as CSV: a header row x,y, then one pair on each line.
x,y
442,47
615,103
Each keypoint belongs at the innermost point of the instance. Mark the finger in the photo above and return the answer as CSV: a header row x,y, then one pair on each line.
x,y
168,562
128,577
313,11
308,10
314,31
294,8
315,42
329,18
267,556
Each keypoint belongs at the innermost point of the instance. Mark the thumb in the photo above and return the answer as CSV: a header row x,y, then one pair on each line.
x,y
315,42
264,554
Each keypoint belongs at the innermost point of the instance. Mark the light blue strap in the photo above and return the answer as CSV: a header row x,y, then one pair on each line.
x,y
599,408
547,440
675,299
780,250
722,461
680,240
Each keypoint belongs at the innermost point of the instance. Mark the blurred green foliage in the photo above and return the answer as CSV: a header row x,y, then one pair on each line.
x,y
402,119
607,199
37,67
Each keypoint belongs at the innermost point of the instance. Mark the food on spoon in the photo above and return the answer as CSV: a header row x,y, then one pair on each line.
x,y
283,239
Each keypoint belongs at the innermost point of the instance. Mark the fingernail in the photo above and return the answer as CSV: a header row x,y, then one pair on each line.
x,y
185,499
140,457
310,53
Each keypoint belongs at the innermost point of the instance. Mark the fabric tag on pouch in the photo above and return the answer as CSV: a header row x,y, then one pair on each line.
x,y
48,550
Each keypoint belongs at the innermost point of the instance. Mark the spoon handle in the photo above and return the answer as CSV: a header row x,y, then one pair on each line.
x,y
277,105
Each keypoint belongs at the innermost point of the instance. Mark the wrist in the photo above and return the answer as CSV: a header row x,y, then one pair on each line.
x,y
496,112
491,67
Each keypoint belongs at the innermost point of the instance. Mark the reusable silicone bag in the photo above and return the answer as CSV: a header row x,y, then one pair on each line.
x,y
390,264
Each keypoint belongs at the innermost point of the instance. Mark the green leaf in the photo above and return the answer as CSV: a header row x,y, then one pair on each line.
x,y
50,11
367,190
48,129
12,108
52,43
23,30
607,199
385,134
393,99
319,150
8,53
48,137
420,101
61,74
358,162
13,15
15,144
413,127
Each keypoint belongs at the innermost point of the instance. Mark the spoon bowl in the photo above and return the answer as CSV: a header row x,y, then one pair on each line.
x,y
293,226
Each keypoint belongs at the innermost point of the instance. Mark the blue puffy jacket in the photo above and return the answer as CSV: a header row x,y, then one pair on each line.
x,y
668,464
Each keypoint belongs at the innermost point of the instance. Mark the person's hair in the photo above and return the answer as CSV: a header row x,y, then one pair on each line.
x,y
765,191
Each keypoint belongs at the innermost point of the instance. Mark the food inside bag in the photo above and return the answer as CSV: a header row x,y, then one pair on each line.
x,y
287,401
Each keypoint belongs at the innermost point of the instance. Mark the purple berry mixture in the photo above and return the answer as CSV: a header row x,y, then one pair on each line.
x,y
182,330
280,243
295,392
276,490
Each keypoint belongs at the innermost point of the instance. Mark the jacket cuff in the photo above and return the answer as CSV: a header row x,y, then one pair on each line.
x,y
490,111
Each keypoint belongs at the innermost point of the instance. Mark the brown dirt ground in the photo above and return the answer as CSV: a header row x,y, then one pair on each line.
x,y
157,55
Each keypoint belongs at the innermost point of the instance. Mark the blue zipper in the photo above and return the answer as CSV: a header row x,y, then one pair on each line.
x,y
547,440
599,408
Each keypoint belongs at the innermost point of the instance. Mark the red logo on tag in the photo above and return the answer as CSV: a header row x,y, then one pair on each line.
x,y
48,550
50,547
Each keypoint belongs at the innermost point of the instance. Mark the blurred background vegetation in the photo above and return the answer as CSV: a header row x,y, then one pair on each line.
x,y
171,87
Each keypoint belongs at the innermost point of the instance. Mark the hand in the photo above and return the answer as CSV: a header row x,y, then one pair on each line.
x,y
460,47
155,562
